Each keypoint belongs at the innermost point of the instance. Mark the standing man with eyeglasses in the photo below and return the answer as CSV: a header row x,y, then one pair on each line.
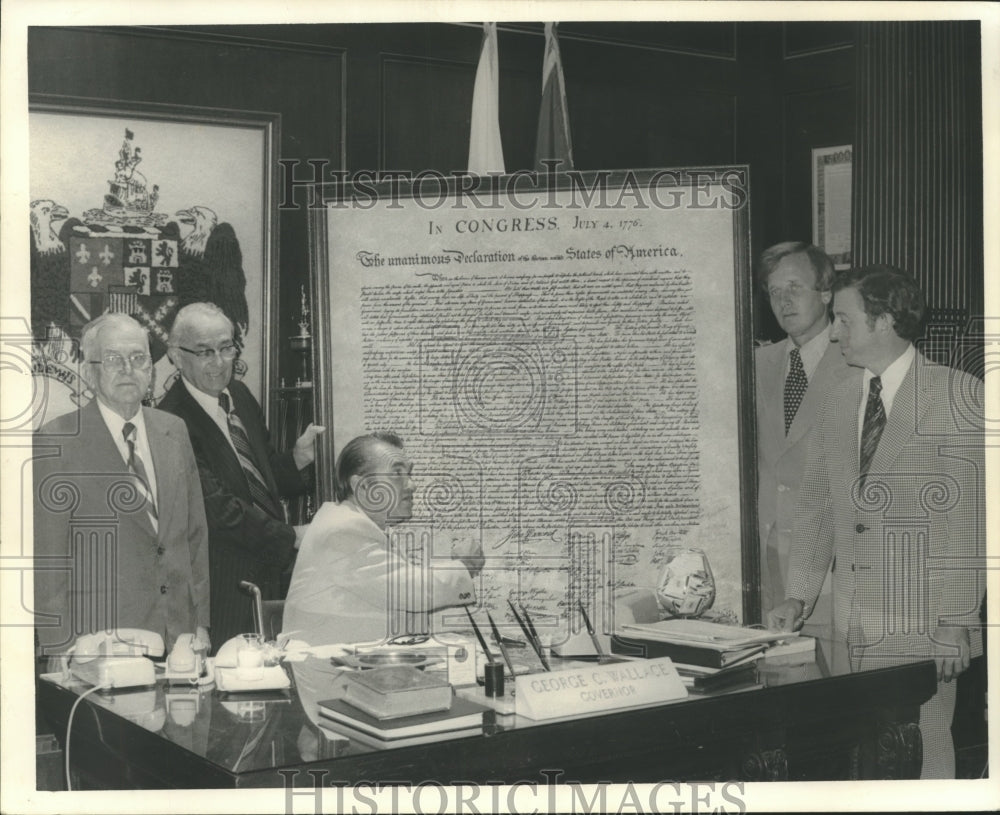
x,y
793,379
119,525
243,477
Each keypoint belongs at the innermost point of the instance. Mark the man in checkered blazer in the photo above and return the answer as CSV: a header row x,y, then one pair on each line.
x,y
893,497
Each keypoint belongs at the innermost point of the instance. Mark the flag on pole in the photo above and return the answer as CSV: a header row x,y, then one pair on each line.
x,y
485,147
553,139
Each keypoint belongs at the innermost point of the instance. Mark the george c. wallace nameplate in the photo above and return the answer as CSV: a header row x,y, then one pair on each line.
x,y
597,688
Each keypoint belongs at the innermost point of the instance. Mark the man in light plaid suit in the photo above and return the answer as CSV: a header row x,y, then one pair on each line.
x,y
893,497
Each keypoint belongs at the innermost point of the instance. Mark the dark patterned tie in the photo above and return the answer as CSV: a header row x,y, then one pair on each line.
x,y
136,466
871,430
255,481
795,387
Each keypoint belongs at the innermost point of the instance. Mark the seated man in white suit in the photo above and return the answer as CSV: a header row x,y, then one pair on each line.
x,y
794,378
352,582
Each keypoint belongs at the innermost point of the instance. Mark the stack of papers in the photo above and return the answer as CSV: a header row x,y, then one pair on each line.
x,y
464,718
696,642
717,636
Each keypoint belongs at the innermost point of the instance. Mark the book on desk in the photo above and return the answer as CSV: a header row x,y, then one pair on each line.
x,y
340,730
699,679
394,691
462,715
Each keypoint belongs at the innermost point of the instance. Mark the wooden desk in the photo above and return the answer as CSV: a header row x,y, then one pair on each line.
x,y
802,725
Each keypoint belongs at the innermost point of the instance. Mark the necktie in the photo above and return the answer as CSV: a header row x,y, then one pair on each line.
x,y
255,481
138,467
871,429
795,387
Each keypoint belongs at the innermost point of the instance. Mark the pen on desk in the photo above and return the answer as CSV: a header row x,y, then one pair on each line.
x,y
535,637
499,639
535,644
593,634
479,636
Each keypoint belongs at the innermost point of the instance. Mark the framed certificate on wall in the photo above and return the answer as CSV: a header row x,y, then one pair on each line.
x,y
831,202
568,361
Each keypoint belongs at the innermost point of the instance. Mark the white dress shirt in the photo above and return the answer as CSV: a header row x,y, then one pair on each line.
x,y
210,404
892,378
811,353
115,425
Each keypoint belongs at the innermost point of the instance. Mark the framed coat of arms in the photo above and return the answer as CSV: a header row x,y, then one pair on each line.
x,y
143,208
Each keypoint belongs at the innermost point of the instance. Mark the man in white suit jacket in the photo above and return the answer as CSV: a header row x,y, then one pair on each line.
x,y
354,579
906,525
797,278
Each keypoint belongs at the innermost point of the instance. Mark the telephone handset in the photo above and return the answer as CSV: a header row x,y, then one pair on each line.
x,y
120,642
116,659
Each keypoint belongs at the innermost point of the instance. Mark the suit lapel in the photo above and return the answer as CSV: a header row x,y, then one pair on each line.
x,y
258,445
901,423
772,393
108,458
162,449
848,429
818,384
201,426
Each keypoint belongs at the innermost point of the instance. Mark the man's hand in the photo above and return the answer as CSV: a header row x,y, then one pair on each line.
x,y
787,616
202,642
953,651
300,533
304,452
471,554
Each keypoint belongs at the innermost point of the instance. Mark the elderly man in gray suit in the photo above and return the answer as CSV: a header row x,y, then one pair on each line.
x,y
894,494
794,377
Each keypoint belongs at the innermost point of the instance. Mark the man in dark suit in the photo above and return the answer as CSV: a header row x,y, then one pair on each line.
x,y
119,526
894,494
794,378
242,476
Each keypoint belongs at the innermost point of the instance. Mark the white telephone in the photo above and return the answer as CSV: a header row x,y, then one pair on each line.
x,y
185,664
116,659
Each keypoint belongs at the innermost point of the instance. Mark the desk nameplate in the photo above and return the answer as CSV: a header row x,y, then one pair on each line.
x,y
598,688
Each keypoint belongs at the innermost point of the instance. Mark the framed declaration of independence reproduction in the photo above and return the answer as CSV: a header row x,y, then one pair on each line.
x,y
567,358
142,208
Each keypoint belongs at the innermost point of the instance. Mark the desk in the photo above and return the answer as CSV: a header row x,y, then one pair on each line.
x,y
804,724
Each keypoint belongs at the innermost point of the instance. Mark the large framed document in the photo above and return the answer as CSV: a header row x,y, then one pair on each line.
x,y
568,359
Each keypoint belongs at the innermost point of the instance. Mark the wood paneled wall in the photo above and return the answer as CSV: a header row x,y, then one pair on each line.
x,y
918,159
398,97
640,95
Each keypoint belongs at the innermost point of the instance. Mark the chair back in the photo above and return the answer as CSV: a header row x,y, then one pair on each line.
x,y
274,612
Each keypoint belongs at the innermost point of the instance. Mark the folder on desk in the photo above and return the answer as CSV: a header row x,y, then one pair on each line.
x,y
696,642
690,654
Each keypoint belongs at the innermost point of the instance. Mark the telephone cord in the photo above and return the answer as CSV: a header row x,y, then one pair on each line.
x,y
69,726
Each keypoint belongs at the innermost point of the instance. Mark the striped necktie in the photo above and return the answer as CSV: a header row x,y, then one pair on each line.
x,y
138,468
874,422
255,481
795,387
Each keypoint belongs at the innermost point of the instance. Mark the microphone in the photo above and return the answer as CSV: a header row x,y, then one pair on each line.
x,y
253,589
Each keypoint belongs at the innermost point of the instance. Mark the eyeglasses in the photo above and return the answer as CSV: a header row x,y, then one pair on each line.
x,y
227,352
409,639
792,290
115,363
